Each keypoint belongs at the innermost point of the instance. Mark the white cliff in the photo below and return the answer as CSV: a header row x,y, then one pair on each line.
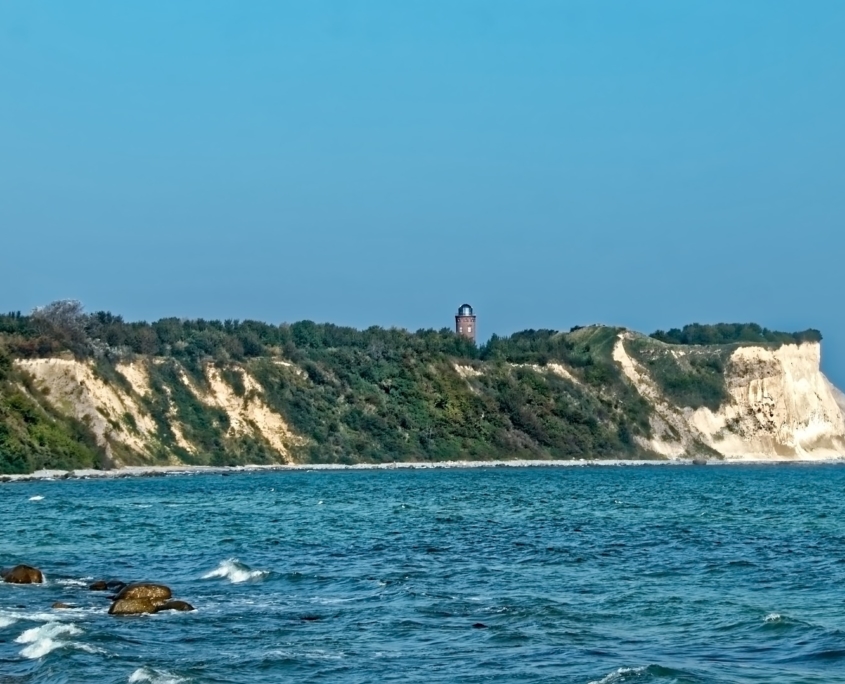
x,y
780,406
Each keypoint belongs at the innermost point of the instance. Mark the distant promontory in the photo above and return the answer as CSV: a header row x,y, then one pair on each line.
x,y
84,390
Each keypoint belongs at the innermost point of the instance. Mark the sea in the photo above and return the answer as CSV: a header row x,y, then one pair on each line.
x,y
594,574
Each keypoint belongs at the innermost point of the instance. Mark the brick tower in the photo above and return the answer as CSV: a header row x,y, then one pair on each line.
x,y
465,322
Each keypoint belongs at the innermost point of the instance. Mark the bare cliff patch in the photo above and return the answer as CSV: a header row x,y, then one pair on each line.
x,y
247,410
113,415
781,405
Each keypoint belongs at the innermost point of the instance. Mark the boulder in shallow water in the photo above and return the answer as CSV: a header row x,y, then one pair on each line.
x,y
175,605
107,585
145,590
133,606
58,605
23,574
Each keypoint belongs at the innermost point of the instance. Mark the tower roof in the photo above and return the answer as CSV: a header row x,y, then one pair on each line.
x,y
465,310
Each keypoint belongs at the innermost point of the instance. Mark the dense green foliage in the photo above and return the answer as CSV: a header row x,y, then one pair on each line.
x,y
380,395
730,333
33,435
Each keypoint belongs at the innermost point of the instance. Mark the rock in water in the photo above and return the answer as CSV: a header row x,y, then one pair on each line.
x,y
23,574
58,605
175,605
133,606
157,593
110,585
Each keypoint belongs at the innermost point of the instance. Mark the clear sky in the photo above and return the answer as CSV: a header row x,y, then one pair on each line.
x,y
647,164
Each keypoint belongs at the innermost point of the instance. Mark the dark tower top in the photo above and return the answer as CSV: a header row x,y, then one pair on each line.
x,y
465,322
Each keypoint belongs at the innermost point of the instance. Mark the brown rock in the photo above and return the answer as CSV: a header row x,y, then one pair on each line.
x,y
23,574
175,605
99,585
145,590
132,606
58,605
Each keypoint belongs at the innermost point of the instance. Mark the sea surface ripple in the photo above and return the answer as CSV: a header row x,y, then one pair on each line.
x,y
593,574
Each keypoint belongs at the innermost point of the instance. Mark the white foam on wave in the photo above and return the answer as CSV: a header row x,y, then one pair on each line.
x,y
45,639
235,571
773,617
620,675
70,582
41,648
6,620
48,631
147,674
37,497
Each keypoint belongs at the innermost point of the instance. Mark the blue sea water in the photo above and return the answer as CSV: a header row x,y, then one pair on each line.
x,y
577,574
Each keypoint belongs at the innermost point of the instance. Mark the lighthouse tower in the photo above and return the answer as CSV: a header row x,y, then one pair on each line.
x,y
465,322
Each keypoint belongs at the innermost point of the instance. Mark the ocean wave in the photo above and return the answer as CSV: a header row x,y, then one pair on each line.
x,y
45,639
48,631
147,674
773,617
648,673
37,497
71,582
235,571
622,674
11,617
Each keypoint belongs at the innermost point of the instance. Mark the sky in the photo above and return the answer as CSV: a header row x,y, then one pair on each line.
x,y
552,163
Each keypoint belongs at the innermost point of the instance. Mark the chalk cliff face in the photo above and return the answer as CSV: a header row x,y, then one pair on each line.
x,y
779,406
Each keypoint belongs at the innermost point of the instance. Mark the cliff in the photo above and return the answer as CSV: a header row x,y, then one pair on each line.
x,y
95,391
777,404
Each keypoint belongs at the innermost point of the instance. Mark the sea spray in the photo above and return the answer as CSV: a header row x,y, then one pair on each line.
x,y
148,675
45,639
235,571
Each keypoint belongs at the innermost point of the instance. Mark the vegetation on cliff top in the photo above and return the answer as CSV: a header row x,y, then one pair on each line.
x,y
731,333
370,395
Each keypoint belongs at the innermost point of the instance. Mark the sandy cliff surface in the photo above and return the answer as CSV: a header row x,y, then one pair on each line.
x,y
119,414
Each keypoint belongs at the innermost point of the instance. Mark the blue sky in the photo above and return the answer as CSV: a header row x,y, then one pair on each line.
x,y
555,163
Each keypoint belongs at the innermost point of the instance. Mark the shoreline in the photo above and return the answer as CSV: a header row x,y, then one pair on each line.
x,y
183,470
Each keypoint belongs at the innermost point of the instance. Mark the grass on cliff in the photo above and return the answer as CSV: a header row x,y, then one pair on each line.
x,y
692,377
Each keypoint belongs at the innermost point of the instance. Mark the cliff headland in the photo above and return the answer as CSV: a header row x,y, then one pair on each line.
x,y
93,391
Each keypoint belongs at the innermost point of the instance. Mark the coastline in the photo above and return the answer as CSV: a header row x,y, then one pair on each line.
x,y
183,470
